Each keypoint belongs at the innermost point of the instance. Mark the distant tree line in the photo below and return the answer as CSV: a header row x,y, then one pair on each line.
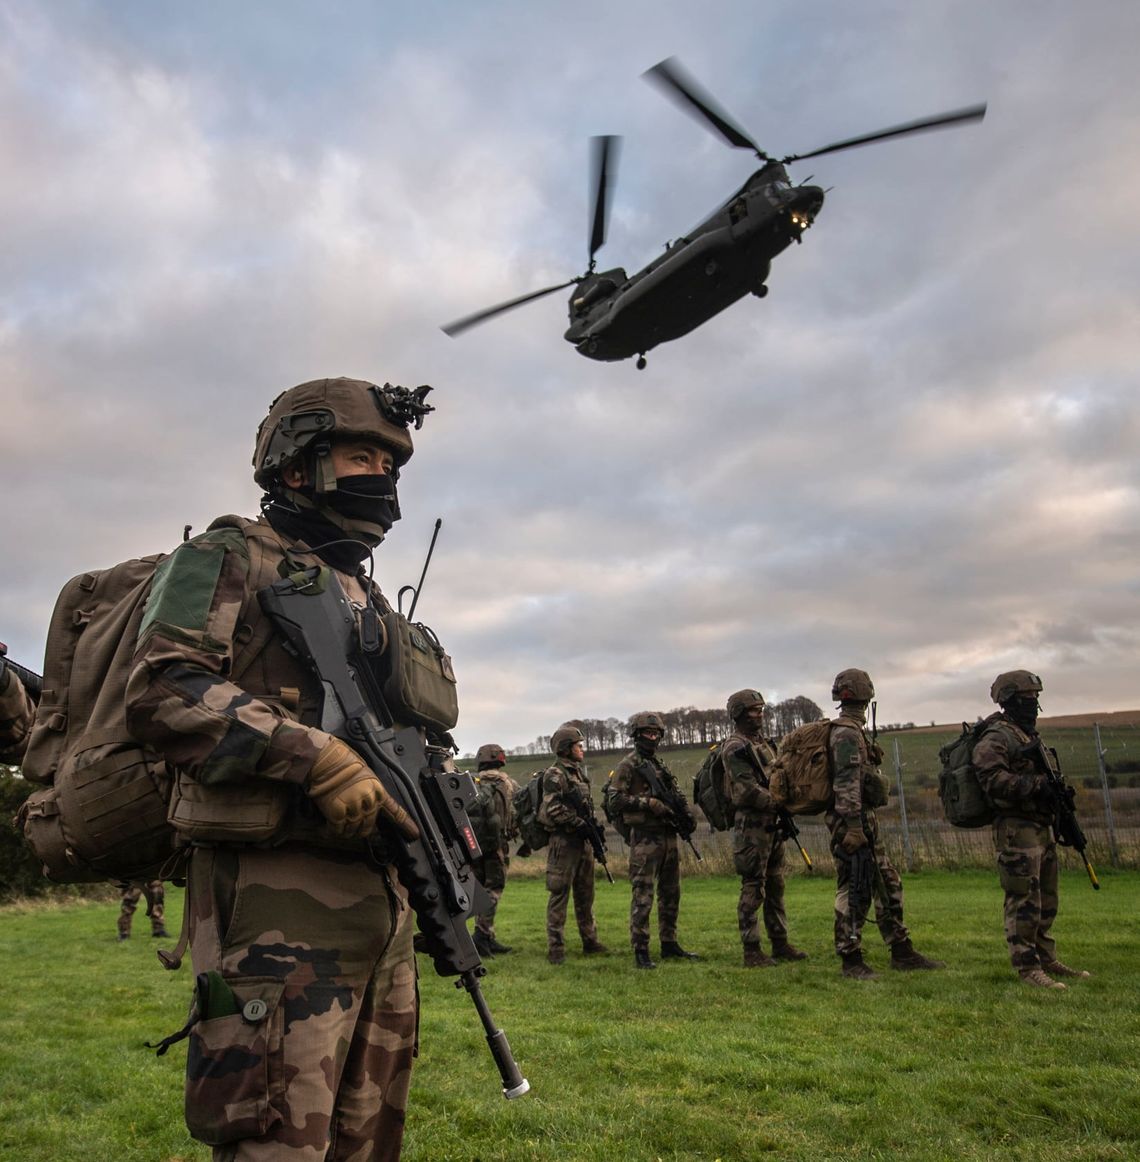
x,y
684,726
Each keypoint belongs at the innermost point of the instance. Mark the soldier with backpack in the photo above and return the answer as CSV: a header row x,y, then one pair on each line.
x,y
1005,759
299,929
860,787
644,793
493,820
757,839
564,810
129,896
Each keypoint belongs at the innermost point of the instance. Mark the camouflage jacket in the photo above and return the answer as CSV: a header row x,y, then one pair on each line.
x,y
631,790
496,819
240,752
565,788
746,761
855,763
17,710
1010,779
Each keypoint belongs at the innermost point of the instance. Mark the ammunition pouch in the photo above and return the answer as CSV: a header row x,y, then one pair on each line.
x,y
416,678
876,789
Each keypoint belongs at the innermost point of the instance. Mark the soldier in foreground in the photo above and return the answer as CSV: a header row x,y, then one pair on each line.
x,y
1023,837
757,845
566,803
298,926
653,842
17,710
129,896
494,824
863,869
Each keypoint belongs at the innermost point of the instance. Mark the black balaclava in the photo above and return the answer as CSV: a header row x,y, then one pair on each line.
x,y
1022,710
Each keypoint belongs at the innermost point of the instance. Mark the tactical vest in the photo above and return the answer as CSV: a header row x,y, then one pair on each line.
x,y
1015,739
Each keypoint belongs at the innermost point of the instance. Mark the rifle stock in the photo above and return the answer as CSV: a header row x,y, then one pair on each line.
x,y
319,626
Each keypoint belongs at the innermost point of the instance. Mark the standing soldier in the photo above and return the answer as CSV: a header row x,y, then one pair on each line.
x,y
636,785
17,710
566,803
494,824
757,844
129,896
860,787
1023,837
297,924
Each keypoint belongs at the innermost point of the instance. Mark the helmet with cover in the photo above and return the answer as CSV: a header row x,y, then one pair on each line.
x,y
490,753
1014,682
852,686
645,720
564,738
743,701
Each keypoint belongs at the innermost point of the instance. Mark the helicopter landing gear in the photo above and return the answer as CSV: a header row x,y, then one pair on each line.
x,y
761,290
641,363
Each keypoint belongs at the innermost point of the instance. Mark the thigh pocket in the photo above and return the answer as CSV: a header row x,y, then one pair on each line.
x,y
234,1070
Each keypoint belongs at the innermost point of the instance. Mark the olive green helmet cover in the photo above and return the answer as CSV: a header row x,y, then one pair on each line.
x,y
564,738
1014,682
852,686
645,720
742,701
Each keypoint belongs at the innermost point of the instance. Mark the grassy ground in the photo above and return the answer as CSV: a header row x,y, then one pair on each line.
x,y
692,1061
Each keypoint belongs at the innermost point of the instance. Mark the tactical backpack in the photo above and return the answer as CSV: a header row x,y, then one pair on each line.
x,y
710,792
615,818
800,778
964,802
525,803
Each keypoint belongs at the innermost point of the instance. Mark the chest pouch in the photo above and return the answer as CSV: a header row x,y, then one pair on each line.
x,y
414,675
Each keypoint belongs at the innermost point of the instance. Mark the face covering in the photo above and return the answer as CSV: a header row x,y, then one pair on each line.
x,y
1023,710
646,747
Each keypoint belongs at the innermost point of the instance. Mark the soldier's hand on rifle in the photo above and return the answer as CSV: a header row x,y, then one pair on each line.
x,y
350,796
655,806
853,840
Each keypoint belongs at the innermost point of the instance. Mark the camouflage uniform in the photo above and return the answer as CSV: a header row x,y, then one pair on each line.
x,y
859,788
653,849
498,826
1023,838
17,710
570,858
130,894
757,847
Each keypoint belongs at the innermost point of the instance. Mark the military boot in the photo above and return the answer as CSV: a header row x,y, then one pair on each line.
x,y
756,957
641,958
855,967
906,959
671,950
160,934
1056,968
482,944
783,950
497,947
556,956
1037,977
593,947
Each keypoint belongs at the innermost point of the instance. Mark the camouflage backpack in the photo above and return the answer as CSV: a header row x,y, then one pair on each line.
x,y
964,802
525,803
800,777
710,792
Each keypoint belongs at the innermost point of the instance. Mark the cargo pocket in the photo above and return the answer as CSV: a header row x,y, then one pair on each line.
x,y
234,1067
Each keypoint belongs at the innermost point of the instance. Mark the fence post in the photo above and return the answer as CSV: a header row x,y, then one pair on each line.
x,y
902,809
1113,853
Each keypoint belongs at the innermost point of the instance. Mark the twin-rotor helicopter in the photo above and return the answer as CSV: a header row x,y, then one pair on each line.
x,y
727,256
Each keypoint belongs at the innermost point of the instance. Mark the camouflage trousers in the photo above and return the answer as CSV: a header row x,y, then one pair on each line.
x,y
569,867
491,872
758,855
155,906
653,859
886,892
1027,867
307,1006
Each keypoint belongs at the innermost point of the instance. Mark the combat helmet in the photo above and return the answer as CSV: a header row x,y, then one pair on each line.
x,y
1014,682
742,701
315,412
490,752
564,738
852,686
645,720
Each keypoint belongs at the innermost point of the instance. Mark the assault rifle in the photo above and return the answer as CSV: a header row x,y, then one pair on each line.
x,y
32,682
592,831
861,881
675,801
786,829
319,627
1066,829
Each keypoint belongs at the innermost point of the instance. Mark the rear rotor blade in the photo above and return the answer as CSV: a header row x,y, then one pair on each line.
x,y
676,83
603,165
941,121
468,321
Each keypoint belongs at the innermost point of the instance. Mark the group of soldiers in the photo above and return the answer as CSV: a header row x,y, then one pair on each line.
x,y
655,815
298,923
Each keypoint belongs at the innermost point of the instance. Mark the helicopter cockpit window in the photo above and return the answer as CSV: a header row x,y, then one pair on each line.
x,y
738,210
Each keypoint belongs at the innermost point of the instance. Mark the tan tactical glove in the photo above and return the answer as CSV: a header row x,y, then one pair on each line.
x,y
350,796
853,840
655,807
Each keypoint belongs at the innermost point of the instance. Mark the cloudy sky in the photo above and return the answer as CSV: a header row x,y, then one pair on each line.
x,y
917,455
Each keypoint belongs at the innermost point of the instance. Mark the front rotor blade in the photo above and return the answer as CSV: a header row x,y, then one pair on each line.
x,y
468,321
676,83
973,113
603,165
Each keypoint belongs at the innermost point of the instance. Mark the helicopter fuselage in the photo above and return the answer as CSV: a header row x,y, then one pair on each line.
x,y
718,262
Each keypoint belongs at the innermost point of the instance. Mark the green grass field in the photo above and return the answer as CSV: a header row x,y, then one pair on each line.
x,y
692,1061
